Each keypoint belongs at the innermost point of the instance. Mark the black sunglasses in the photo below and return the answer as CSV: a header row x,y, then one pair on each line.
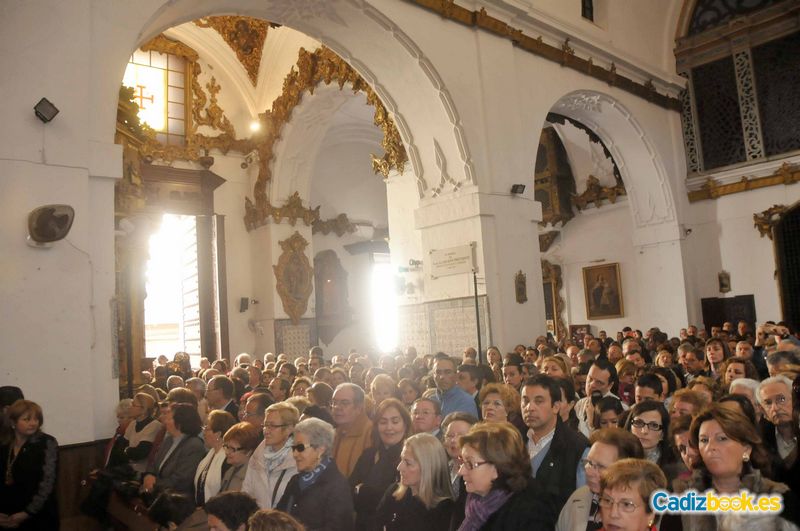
x,y
300,448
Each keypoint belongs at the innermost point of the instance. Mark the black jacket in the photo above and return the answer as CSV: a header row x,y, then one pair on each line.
x,y
325,506
370,479
529,508
409,513
557,473
34,474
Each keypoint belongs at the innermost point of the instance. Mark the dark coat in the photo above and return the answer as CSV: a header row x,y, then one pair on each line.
x,y
409,513
325,506
557,473
34,490
370,479
177,472
529,508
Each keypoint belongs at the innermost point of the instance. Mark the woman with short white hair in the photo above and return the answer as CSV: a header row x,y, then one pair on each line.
x,y
319,495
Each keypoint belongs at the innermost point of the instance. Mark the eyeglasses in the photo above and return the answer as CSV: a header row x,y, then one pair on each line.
x,y
588,463
495,403
640,425
232,449
626,506
341,403
300,447
777,400
470,465
274,426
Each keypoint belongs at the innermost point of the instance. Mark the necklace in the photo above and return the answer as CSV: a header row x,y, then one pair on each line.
x,y
12,458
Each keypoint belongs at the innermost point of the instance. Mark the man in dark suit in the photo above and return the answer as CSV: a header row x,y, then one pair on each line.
x,y
219,394
555,449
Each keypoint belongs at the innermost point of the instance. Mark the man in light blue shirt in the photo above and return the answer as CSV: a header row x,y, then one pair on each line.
x,y
451,397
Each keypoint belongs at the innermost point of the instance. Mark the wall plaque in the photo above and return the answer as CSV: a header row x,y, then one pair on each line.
x,y
452,261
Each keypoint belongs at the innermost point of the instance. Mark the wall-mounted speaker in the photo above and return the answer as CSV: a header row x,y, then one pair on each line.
x,y
50,223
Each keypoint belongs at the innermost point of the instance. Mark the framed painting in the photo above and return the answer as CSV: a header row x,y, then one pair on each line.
x,y
603,289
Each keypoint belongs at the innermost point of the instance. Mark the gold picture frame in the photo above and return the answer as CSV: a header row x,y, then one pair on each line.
x,y
602,287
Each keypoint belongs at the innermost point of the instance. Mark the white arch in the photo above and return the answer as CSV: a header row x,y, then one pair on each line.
x,y
371,42
646,181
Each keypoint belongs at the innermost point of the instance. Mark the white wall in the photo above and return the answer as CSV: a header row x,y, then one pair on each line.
x,y
723,238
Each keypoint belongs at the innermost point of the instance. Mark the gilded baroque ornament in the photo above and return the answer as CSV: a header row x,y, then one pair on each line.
x,y
546,239
711,189
313,68
205,112
293,210
340,225
521,287
766,220
595,193
294,277
245,36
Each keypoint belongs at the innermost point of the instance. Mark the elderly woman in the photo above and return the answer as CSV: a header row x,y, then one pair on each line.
x,y
273,466
319,495
376,469
732,458
625,499
300,387
28,465
179,454
498,402
609,445
141,433
239,443
497,476
208,476
422,500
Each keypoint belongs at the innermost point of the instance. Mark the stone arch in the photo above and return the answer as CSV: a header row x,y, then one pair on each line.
x,y
386,58
646,180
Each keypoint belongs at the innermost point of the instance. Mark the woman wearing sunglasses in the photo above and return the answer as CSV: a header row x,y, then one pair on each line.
x,y
501,492
626,487
422,500
319,495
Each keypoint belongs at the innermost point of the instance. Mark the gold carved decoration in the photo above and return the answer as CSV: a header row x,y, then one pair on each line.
x,y
564,54
340,225
595,193
766,220
292,210
521,287
313,68
553,284
245,36
294,277
205,112
786,174
546,239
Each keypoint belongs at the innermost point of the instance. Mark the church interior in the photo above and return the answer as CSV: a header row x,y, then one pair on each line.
x,y
271,175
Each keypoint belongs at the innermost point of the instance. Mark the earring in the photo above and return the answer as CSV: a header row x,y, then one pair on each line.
x,y
746,458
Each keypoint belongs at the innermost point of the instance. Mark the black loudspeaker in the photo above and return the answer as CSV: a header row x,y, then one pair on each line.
x,y
50,223
517,189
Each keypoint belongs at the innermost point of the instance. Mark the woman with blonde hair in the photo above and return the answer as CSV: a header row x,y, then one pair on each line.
x,y
382,387
422,500
142,431
499,402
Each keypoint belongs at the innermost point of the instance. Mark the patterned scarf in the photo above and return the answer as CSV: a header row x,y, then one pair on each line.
x,y
273,458
309,478
480,508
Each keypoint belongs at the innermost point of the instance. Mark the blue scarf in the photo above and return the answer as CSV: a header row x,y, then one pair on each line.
x,y
309,478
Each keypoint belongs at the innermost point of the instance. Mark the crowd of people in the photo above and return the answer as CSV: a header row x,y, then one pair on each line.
x,y
571,435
